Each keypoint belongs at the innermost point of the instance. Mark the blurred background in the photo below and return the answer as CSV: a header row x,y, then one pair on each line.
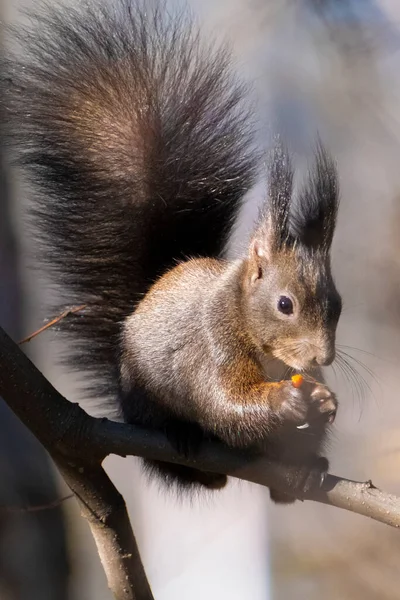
x,y
327,64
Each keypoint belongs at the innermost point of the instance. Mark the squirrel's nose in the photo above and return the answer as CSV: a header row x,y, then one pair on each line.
x,y
325,358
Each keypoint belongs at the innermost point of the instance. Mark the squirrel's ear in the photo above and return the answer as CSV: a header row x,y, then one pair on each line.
x,y
272,232
259,256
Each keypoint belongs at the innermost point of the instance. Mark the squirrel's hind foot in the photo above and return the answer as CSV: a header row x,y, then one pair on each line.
x,y
302,478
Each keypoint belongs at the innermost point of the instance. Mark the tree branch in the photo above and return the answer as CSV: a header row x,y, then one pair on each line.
x,y
104,508
53,420
79,443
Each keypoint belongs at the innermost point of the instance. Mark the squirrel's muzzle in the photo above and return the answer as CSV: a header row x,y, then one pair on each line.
x,y
325,357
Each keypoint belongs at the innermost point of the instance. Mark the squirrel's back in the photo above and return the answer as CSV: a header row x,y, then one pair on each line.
x,y
135,135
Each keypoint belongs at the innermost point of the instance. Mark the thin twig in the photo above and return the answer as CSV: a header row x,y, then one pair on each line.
x,y
363,498
66,313
38,508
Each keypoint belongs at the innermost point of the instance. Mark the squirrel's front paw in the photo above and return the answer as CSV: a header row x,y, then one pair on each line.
x,y
291,403
323,403
304,405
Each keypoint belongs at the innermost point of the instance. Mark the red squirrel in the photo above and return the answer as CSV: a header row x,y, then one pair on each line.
x,y
137,140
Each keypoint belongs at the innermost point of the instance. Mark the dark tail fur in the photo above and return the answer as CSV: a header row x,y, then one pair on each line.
x,y
135,136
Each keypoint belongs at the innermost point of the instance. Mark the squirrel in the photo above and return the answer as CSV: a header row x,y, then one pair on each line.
x,y
137,138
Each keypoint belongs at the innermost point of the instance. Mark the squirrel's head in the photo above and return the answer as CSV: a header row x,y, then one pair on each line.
x,y
292,303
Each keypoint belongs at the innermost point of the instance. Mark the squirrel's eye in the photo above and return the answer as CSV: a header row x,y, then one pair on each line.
x,y
285,305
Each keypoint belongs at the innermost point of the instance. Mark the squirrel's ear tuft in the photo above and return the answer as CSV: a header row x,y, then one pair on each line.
x,y
275,217
313,215
272,232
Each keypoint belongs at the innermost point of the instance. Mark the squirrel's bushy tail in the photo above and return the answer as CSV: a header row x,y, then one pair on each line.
x,y
135,136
